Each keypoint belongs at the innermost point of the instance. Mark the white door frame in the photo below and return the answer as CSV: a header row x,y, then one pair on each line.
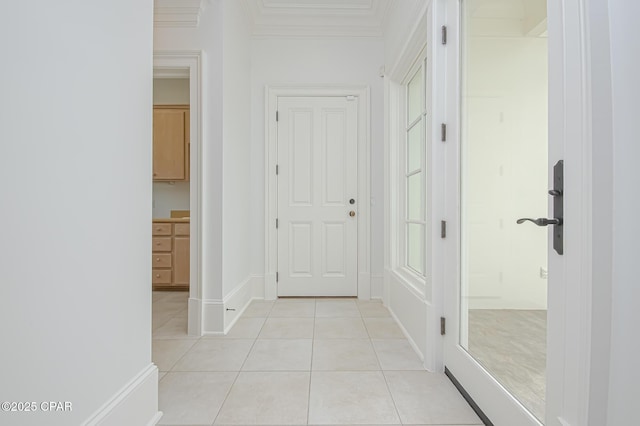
x,y
364,191
570,278
188,63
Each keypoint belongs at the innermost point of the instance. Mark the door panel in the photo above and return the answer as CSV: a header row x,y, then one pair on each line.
x,y
334,238
334,157
317,161
497,346
301,156
300,244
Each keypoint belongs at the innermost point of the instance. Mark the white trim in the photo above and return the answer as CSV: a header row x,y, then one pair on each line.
x,y
135,403
177,13
377,285
236,302
412,342
192,62
413,46
212,317
408,284
317,20
364,182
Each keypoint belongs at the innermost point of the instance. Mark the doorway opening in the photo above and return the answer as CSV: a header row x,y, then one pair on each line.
x,y
177,178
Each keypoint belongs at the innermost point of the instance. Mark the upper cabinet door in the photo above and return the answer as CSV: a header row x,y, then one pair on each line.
x,y
169,146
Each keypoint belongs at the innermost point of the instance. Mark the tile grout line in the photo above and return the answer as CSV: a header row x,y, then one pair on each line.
x,y
238,373
313,340
384,377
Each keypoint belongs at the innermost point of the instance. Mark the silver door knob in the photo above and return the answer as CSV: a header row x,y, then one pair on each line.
x,y
352,213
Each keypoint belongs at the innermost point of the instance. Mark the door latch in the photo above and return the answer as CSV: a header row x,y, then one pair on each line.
x,y
558,209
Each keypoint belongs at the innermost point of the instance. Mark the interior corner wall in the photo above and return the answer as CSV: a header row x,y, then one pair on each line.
x,y
414,311
236,135
75,132
399,27
308,61
207,37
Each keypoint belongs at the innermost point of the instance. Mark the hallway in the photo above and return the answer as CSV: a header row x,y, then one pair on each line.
x,y
298,362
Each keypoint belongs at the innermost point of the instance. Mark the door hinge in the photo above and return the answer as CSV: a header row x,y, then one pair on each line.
x,y
277,222
277,277
443,326
277,115
443,132
443,229
444,34
277,169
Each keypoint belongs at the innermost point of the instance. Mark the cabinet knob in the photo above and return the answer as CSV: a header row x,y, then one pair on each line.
x,y
157,259
157,275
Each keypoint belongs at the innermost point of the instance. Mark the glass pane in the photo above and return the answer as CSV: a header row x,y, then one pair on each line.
x,y
414,197
504,170
415,247
415,103
414,148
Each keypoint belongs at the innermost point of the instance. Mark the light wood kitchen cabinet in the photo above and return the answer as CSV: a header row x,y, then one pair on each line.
x,y
171,143
170,254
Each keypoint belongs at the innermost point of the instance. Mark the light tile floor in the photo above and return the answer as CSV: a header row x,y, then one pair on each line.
x,y
298,362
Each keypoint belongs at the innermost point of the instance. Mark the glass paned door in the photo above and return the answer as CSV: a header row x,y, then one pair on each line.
x,y
504,177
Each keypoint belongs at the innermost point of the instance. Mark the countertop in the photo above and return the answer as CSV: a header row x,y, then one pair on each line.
x,y
172,220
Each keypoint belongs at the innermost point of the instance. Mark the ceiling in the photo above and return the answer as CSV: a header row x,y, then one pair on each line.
x,y
355,18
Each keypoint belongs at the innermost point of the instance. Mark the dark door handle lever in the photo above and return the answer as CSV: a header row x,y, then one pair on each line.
x,y
541,221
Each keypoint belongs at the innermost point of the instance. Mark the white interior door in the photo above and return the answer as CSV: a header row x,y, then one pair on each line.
x,y
317,196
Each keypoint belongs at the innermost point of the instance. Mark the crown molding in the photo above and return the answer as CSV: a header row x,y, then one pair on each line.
x,y
318,18
178,13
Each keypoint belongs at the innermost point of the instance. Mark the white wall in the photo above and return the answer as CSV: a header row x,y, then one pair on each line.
x,y
625,345
279,62
169,196
75,141
236,134
171,91
400,25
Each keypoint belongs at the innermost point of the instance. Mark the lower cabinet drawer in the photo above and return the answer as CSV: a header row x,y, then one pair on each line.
x,y
161,229
161,260
161,276
162,244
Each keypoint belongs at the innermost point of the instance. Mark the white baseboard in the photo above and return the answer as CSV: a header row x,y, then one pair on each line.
x,y
364,286
194,327
236,302
135,404
409,309
408,336
377,282
220,315
212,317
258,286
